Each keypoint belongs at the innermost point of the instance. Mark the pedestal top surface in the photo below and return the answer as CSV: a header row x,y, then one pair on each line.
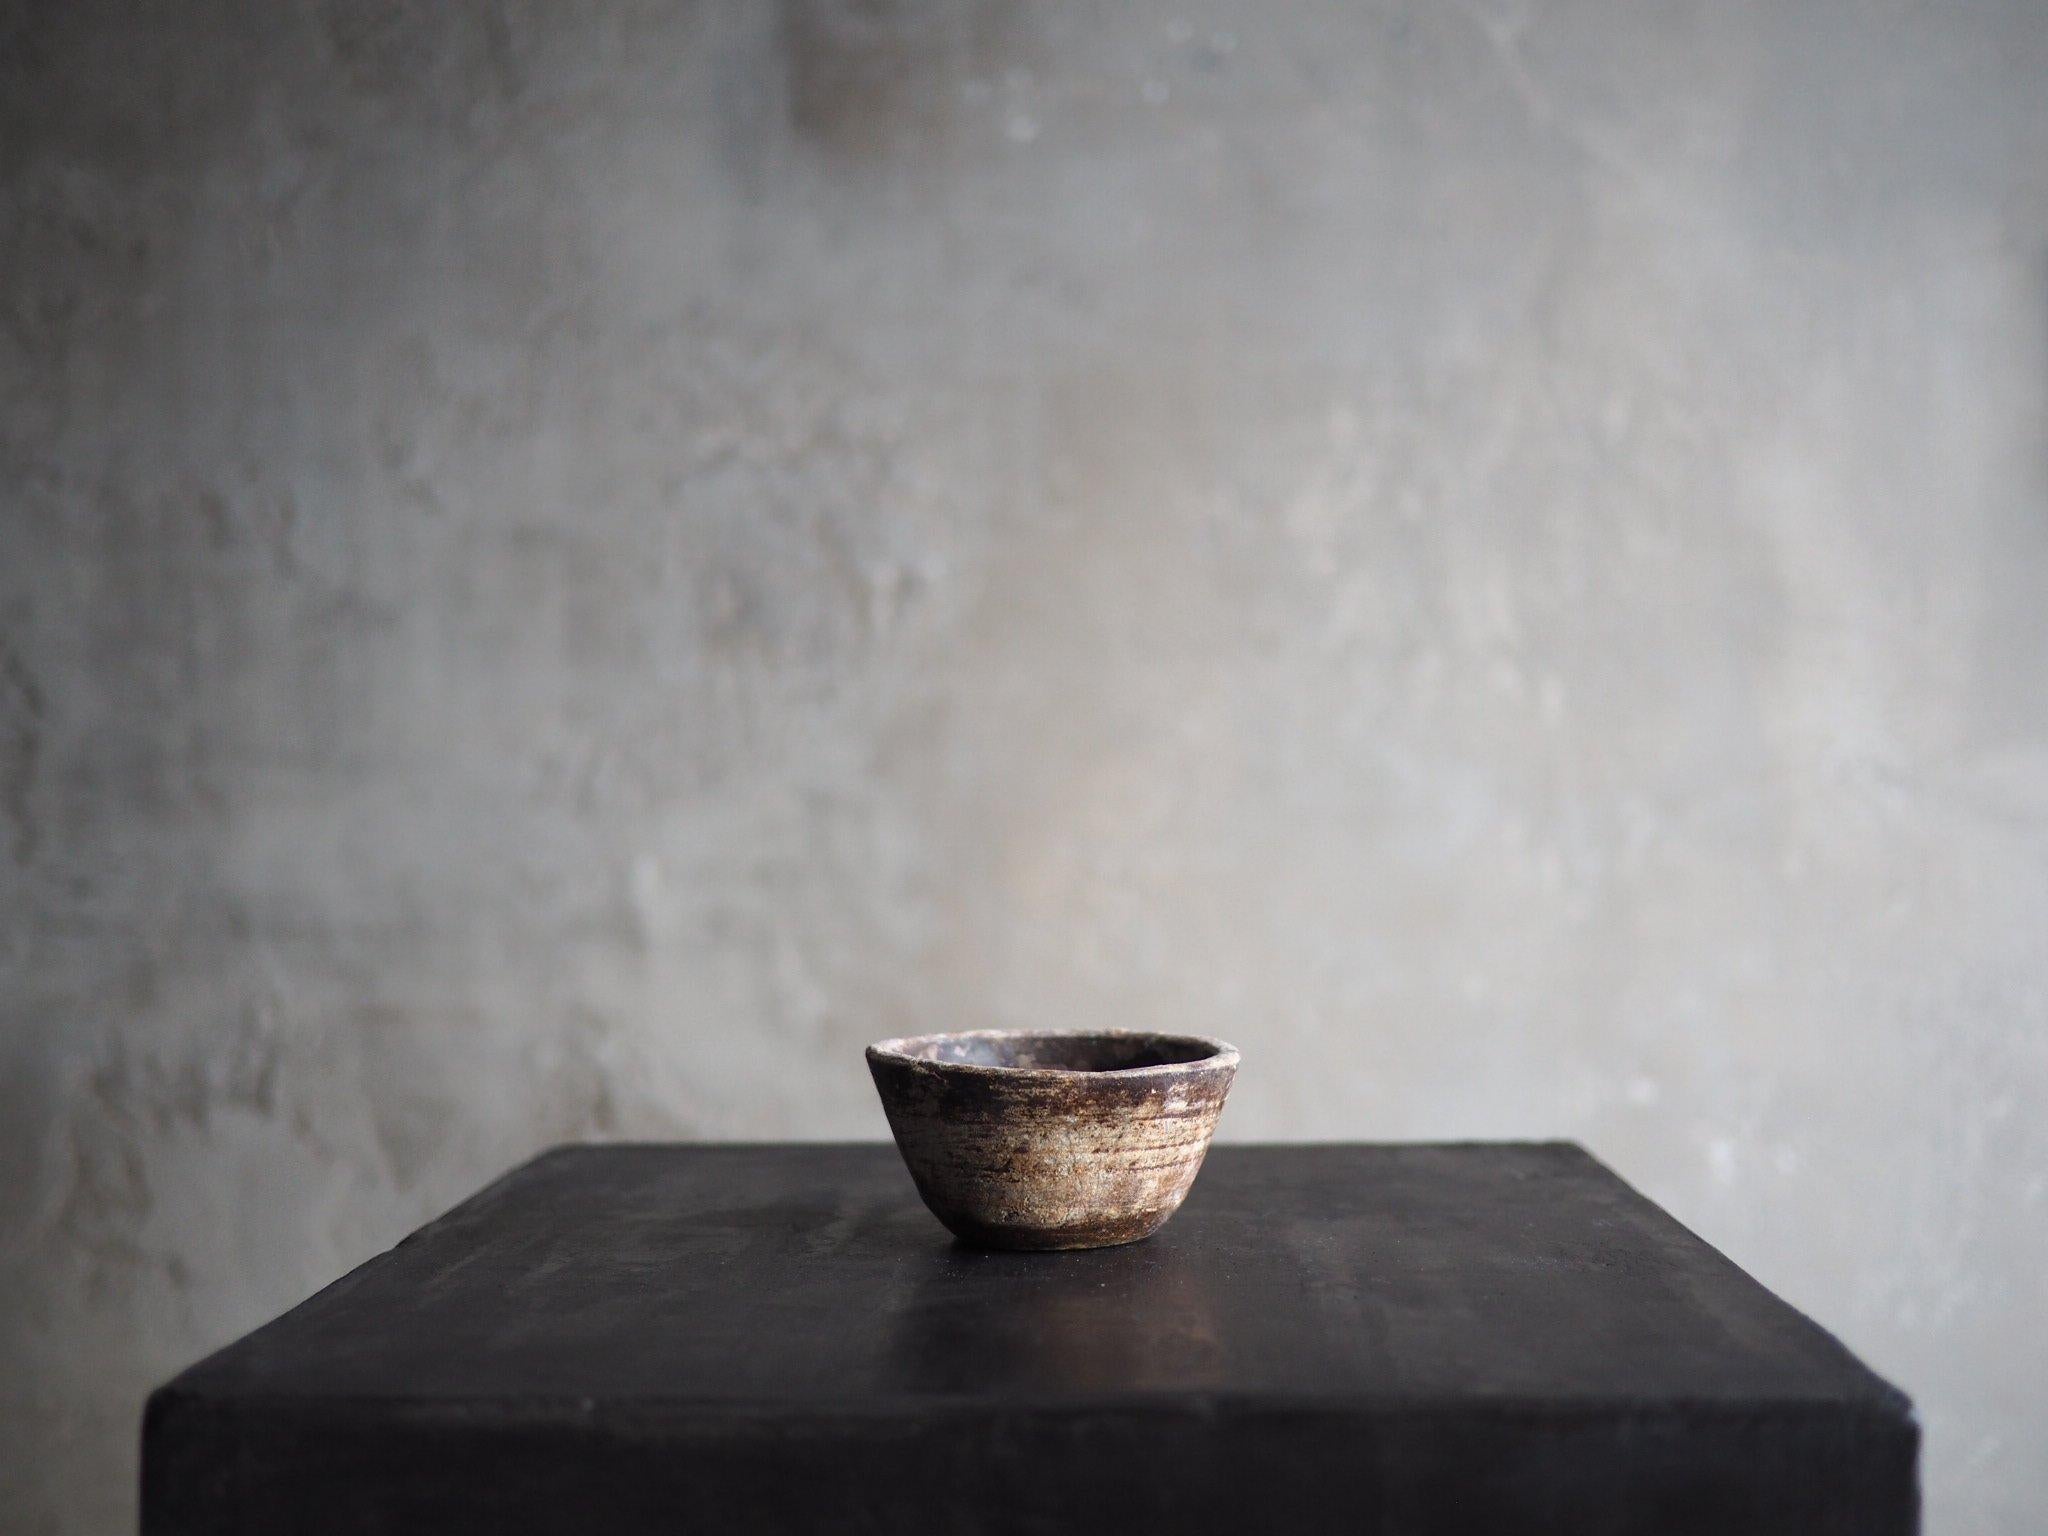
x,y
811,1274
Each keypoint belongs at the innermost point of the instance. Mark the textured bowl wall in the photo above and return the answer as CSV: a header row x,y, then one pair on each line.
x,y
1018,1158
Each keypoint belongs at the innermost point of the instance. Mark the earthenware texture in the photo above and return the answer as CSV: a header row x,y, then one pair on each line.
x,y
1024,1139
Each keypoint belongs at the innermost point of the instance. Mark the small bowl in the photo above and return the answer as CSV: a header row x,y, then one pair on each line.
x,y
1039,1139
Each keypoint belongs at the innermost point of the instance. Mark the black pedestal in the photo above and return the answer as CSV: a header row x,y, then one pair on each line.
x,y
1361,1339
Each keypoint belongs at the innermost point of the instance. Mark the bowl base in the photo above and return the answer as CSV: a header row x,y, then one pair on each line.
x,y
1110,1233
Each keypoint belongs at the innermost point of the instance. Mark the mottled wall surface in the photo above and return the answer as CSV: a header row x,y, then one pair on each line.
x,y
565,566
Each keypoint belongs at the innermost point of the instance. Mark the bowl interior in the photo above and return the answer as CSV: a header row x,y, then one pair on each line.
x,y
1058,1052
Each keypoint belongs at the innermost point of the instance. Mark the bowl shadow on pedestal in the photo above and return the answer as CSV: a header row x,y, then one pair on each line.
x,y
1131,1319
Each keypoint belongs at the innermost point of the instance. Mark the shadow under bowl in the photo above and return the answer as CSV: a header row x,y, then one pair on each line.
x,y
1048,1139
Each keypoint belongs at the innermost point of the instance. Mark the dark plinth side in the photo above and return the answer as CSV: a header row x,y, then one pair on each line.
x,y
1366,1339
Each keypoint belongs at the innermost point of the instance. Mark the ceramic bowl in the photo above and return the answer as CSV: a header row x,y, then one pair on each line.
x,y
1032,1139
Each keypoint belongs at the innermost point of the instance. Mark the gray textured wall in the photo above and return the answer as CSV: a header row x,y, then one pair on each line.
x,y
566,566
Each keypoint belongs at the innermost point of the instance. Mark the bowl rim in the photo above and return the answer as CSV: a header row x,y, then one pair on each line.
x,y
1221,1054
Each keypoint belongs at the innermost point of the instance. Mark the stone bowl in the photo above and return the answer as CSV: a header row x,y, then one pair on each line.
x,y
1037,1139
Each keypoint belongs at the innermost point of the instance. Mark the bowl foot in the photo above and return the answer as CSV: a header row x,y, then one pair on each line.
x,y
1109,1233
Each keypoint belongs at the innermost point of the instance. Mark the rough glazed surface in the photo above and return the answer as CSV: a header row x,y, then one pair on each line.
x,y
1327,1341
566,564
1021,1139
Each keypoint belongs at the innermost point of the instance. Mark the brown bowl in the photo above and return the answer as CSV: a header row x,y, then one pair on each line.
x,y
1036,1139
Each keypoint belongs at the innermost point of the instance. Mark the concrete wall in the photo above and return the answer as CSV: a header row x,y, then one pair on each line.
x,y
565,566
